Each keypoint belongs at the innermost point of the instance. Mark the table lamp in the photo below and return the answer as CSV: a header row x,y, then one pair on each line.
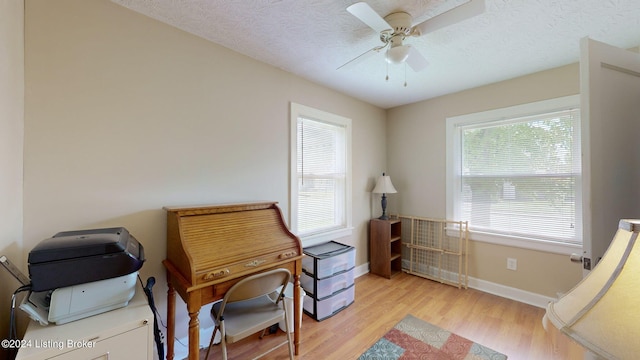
x,y
602,312
384,186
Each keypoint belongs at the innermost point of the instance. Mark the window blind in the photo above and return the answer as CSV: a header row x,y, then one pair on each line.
x,y
519,177
321,172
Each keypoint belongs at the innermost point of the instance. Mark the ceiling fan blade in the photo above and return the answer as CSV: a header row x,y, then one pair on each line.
x,y
415,60
455,15
362,56
365,13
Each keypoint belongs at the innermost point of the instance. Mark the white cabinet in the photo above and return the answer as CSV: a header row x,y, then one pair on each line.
x,y
121,334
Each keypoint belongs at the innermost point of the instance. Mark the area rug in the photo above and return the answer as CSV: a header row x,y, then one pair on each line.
x,y
413,338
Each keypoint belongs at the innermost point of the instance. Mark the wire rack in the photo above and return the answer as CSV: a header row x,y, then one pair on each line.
x,y
436,249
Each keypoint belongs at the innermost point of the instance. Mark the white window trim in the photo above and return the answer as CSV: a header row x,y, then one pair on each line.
x,y
557,104
298,110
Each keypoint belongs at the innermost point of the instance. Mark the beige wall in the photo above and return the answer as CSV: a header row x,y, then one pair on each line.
x,y
416,162
11,144
125,115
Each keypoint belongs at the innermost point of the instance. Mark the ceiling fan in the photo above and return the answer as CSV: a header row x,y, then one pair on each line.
x,y
397,26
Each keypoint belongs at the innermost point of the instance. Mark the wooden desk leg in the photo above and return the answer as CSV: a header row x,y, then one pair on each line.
x,y
297,307
171,319
194,335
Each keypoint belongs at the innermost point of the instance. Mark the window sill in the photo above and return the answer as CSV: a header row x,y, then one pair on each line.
x,y
531,244
315,239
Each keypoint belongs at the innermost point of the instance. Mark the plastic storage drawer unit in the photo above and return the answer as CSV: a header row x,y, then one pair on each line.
x,y
328,279
327,259
323,288
325,308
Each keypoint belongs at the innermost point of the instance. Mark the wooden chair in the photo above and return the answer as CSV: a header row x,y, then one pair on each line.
x,y
247,309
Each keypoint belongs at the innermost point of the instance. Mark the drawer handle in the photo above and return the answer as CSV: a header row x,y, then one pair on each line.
x,y
254,263
287,255
216,274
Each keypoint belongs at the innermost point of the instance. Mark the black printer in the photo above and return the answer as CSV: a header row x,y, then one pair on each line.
x,y
76,257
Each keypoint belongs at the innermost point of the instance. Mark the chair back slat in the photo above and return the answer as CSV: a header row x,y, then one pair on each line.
x,y
258,285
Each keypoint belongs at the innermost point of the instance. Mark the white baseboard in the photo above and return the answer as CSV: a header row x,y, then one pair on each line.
x,y
361,270
504,291
508,292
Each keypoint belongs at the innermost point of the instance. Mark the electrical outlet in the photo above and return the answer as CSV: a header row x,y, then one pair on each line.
x,y
512,264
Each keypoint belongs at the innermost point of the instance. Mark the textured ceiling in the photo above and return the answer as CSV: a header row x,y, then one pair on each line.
x,y
312,38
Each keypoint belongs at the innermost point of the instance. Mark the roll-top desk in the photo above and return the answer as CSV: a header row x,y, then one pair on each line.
x,y
210,248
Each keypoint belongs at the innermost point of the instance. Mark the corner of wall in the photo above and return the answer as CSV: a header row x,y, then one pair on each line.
x,y
11,149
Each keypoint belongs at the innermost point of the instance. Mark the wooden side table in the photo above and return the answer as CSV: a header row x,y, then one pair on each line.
x,y
385,247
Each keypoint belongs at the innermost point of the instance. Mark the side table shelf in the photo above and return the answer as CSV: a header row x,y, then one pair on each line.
x,y
385,247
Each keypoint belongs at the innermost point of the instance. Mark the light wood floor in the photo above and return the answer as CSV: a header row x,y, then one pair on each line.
x,y
507,326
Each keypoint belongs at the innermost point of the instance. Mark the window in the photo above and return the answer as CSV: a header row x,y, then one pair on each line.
x,y
515,174
320,175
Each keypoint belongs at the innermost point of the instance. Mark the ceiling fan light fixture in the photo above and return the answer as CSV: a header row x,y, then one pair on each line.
x,y
398,54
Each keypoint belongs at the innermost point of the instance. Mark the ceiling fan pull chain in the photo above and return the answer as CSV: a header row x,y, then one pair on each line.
x,y
387,78
405,74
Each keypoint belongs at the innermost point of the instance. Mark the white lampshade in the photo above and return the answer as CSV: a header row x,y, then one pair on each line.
x,y
384,185
398,54
602,313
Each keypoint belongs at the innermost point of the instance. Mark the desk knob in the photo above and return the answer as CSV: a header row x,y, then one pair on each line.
x,y
287,255
216,274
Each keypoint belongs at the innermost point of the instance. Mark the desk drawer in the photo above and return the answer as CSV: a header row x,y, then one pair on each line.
x,y
243,266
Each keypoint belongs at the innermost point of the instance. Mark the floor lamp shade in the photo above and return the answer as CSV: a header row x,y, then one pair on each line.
x,y
384,186
602,313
